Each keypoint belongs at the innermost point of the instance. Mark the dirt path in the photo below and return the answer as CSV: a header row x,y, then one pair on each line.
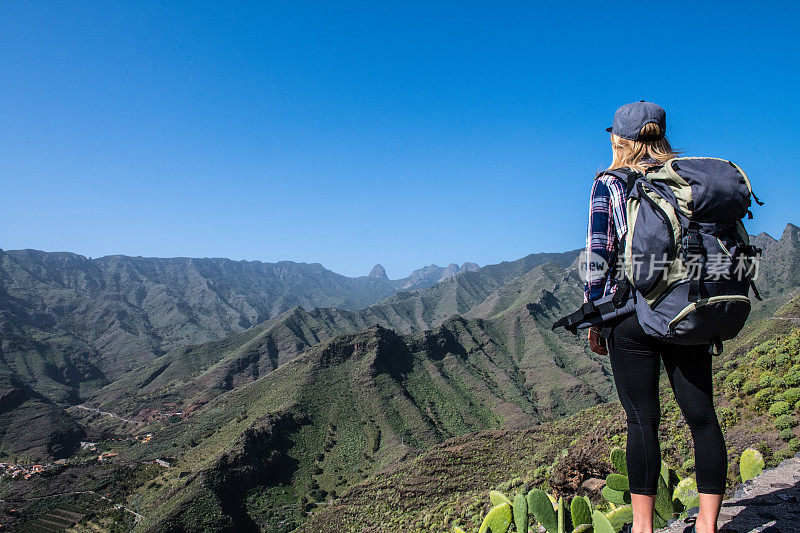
x,y
106,413
770,503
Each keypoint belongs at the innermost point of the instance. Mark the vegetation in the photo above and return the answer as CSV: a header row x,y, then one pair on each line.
x,y
675,496
321,421
562,457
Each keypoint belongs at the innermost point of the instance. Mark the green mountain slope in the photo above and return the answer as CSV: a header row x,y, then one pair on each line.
x,y
351,405
448,484
70,325
131,309
191,375
32,426
283,417
348,407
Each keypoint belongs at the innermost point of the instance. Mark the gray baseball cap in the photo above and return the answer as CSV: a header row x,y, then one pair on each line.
x,y
631,118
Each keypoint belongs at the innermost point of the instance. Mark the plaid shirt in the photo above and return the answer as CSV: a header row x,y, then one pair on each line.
x,y
607,226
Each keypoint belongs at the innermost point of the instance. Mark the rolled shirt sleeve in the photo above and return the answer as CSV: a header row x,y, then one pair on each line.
x,y
607,226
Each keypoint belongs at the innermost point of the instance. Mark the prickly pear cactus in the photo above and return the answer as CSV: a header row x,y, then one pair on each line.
x,y
620,516
617,489
497,498
498,520
457,529
615,496
542,508
580,509
618,459
601,524
686,493
521,513
751,464
617,492
618,482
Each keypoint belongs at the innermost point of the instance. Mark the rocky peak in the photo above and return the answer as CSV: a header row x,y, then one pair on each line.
x,y
378,272
469,267
449,271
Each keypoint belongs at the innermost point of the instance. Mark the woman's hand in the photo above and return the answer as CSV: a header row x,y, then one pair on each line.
x,y
597,343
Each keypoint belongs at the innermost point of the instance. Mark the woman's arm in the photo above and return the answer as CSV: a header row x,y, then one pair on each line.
x,y
607,227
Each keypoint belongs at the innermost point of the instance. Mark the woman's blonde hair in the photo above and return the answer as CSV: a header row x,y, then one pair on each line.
x,y
630,154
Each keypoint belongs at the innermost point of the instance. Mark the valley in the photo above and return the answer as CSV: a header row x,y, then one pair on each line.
x,y
319,408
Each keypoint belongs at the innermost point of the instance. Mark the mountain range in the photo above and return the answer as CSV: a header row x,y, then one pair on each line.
x,y
283,405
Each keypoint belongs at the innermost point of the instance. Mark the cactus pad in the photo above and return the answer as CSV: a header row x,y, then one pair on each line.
x,y
616,496
601,524
497,498
521,513
751,464
663,500
580,511
619,461
498,520
620,516
686,493
618,482
542,508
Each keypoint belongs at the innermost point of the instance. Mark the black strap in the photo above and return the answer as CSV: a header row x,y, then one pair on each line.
x,y
755,290
695,248
570,321
621,294
759,202
626,174
752,252
586,312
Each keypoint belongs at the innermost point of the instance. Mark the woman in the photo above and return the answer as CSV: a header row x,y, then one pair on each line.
x,y
638,141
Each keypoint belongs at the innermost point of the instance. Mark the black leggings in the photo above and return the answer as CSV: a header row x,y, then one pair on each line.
x,y
635,364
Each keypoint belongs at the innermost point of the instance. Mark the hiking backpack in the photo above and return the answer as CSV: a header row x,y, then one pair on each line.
x,y
687,260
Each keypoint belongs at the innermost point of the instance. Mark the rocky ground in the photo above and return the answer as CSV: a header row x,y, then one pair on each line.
x,y
769,503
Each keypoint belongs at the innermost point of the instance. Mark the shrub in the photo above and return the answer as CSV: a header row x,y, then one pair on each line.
x,y
762,348
734,381
787,435
766,380
749,386
728,417
785,422
791,396
794,445
783,360
785,453
763,399
792,378
779,408
766,361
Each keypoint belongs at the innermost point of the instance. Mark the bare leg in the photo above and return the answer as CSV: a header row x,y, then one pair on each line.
x,y
709,512
643,506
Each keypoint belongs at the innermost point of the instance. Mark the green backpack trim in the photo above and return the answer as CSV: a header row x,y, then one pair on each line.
x,y
675,271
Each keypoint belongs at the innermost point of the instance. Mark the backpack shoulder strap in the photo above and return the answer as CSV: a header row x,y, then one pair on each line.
x,y
627,175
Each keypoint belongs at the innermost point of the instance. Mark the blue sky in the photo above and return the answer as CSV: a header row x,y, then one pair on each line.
x,y
358,133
